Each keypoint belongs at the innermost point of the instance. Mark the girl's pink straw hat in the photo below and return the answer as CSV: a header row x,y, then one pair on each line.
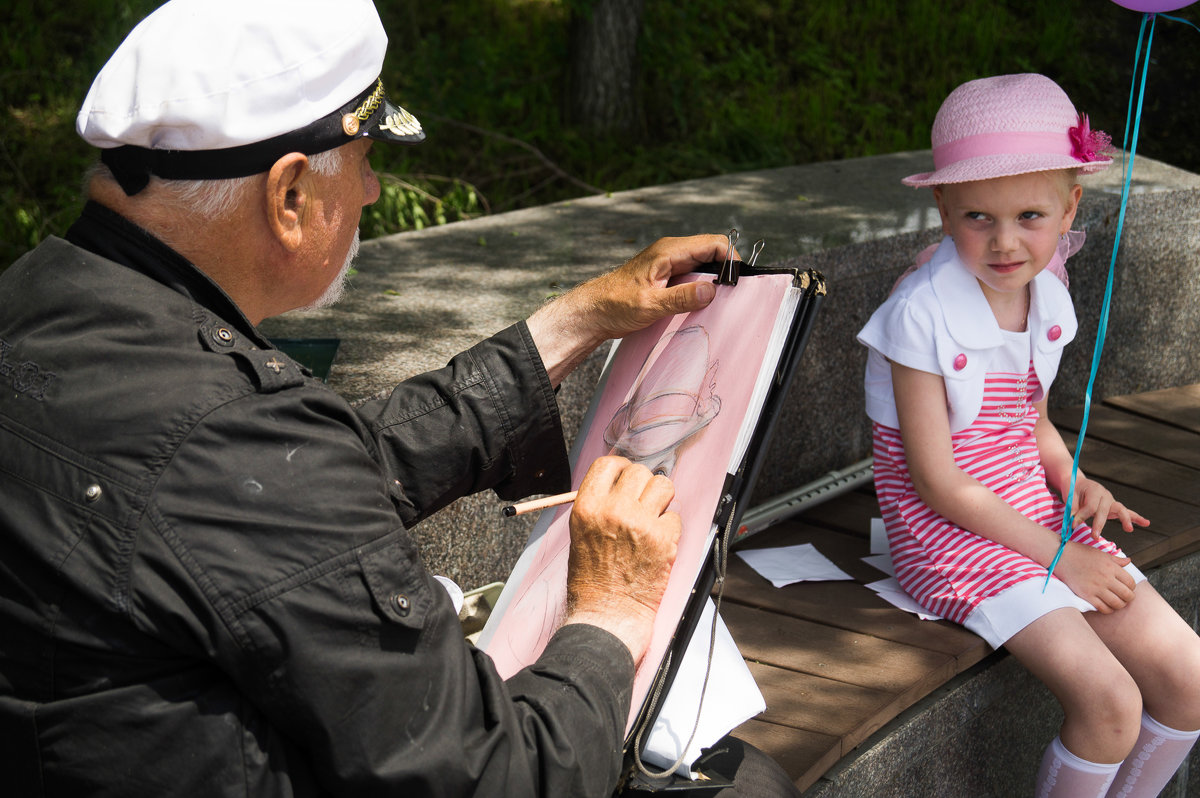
x,y
1010,125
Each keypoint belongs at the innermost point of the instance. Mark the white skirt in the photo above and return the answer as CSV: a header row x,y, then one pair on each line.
x,y
998,618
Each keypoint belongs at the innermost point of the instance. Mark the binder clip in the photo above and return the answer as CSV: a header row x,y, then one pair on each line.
x,y
731,269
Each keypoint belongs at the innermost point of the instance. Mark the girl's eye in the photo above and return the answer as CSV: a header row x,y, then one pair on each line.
x,y
1028,216
976,216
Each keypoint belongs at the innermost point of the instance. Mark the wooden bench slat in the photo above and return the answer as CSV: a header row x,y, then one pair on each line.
x,y
825,651
845,604
1179,406
814,703
803,754
850,712
1168,550
1115,465
1131,431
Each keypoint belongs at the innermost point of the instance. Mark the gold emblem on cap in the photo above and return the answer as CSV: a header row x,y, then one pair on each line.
x,y
371,104
402,123
353,120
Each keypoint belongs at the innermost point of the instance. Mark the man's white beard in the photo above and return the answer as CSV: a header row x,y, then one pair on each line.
x,y
334,292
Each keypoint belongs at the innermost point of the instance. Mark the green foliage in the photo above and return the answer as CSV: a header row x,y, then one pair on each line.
x,y
417,203
48,55
725,86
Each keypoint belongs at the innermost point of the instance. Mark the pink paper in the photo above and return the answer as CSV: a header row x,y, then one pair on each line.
x,y
675,399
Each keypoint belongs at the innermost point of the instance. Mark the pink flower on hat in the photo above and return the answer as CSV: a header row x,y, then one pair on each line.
x,y
1089,145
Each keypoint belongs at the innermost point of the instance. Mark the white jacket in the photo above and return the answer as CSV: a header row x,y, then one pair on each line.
x,y
937,320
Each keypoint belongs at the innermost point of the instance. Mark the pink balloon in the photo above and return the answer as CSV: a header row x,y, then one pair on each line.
x,y
1153,6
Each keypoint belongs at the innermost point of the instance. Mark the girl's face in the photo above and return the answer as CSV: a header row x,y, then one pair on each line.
x,y
1006,229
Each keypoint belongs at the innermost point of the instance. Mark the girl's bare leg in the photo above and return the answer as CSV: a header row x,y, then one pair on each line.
x,y
1162,653
1100,699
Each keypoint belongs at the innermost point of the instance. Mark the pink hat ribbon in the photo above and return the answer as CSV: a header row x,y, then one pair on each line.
x,y
1008,143
1081,143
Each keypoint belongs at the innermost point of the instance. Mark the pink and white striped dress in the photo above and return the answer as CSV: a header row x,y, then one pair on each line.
x,y
949,570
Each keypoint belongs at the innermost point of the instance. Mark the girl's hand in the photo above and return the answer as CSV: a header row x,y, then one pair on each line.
x,y
1094,501
1096,576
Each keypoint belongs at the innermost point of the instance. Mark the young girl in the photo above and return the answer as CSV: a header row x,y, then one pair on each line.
x,y
969,470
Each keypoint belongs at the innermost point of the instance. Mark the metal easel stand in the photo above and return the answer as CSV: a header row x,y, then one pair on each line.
x,y
784,506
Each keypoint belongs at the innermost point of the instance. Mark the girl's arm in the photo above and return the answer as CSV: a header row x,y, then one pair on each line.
x,y
1056,458
925,429
1092,500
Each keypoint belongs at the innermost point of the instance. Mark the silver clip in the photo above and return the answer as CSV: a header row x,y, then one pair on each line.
x,y
758,246
729,271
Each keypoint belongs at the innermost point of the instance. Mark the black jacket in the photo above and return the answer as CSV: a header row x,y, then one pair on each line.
x,y
206,586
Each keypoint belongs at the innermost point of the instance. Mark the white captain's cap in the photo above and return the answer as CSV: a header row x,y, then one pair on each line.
x,y
205,89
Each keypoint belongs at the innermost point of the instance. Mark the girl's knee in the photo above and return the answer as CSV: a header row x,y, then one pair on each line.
x,y
1113,712
1172,696
1122,704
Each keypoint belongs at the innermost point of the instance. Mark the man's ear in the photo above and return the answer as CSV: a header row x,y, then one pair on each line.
x,y
287,199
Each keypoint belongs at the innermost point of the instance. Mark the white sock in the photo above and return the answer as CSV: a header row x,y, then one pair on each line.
x,y
1155,757
1064,775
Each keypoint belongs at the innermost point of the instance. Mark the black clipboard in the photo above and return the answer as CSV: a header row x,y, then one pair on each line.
x,y
736,492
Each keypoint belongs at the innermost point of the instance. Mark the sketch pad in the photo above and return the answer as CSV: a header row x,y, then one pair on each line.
x,y
695,396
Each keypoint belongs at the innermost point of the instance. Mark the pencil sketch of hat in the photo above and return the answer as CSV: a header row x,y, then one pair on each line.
x,y
672,400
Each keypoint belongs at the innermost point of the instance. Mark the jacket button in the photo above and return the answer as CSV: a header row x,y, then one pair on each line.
x,y
960,362
400,603
93,493
1054,333
222,336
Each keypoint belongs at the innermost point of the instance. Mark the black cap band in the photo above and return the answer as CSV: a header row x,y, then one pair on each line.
x,y
370,114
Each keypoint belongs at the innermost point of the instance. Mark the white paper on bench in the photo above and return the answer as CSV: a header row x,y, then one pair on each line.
x,y
732,697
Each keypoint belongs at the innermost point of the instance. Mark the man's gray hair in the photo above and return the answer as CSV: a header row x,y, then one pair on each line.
x,y
212,200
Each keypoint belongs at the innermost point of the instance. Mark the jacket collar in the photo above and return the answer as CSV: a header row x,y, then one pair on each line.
x,y
108,234
968,316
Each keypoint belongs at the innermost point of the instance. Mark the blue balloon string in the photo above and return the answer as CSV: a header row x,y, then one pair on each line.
x,y
1102,328
1180,19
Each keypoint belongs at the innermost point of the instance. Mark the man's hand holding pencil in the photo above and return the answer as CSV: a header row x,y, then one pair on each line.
x,y
623,544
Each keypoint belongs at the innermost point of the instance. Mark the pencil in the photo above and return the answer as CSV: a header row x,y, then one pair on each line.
x,y
539,504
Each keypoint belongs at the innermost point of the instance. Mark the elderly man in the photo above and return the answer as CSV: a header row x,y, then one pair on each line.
x,y
206,583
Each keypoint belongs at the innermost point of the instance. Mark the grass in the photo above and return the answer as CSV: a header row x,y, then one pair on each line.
x,y
726,86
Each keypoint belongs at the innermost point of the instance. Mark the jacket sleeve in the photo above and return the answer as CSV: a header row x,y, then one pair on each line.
x,y
898,334
300,584
488,419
